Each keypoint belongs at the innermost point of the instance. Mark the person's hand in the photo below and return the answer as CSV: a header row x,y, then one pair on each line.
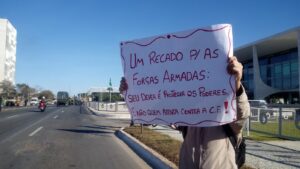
x,y
234,67
123,85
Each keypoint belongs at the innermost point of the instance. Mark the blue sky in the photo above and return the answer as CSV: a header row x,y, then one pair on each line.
x,y
74,44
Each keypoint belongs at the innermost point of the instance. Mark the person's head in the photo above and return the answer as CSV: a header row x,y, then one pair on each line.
x,y
43,98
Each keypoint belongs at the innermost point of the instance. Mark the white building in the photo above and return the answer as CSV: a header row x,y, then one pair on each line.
x,y
8,43
102,90
98,92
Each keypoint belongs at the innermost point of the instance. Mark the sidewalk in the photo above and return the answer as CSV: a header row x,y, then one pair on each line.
x,y
5,109
273,154
112,114
261,155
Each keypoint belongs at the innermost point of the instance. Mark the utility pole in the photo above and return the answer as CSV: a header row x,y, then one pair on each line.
x,y
110,89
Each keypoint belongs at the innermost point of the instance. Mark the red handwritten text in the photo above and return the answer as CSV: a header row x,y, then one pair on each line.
x,y
148,112
153,112
170,112
206,54
148,80
133,98
217,92
141,113
203,110
145,96
165,57
192,93
183,76
173,93
135,61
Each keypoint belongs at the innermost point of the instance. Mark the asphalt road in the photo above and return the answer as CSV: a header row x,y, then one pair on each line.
x,y
63,137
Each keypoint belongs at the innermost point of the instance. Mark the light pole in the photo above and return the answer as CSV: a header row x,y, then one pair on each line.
x,y
110,89
110,95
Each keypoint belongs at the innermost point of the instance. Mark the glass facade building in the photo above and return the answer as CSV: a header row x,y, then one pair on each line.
x,y
271,67
279,71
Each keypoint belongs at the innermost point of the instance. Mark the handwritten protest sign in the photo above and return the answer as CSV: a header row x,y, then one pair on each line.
x,y
181,78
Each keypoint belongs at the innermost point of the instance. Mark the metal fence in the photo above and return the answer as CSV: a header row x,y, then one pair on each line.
x,y
104,106
278,122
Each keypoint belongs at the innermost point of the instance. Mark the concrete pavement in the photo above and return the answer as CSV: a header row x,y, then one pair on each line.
x,y
6,108
111,114
262,155
63,137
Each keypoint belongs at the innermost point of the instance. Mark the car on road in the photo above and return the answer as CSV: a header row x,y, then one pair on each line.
x,y
258,103
62,98
10,102
261,106
34,101
51,102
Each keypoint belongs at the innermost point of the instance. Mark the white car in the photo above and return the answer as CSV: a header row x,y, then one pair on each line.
x,y
34,101
258,103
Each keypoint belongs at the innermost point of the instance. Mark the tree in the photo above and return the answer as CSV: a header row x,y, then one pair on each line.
x,y
114,97
32,92
24,90
47,94
8,90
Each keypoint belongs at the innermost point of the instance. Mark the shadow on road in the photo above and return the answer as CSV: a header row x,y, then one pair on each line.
x,y
86,131
274,153
103,127
36,111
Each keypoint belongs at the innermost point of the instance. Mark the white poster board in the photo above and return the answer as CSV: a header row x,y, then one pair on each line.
x,y
181,78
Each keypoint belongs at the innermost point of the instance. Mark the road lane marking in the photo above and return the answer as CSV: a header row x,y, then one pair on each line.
x,y
35,131
28,127
12,116
55,117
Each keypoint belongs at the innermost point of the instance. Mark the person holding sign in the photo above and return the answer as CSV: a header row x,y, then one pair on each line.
x,y
209,147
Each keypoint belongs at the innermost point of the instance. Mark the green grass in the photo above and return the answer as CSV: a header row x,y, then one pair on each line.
x,y
261,137
288,128
163,144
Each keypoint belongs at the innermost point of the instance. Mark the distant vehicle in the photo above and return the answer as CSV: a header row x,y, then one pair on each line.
x,y
42,106
265,112
62,98
34,101
10,102
51,102
258,103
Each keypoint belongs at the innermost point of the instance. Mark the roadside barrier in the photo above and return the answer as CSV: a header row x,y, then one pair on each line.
x,y
279,122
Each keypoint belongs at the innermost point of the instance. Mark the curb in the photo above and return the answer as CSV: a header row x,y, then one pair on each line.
x,y
154,159
94,113
111,115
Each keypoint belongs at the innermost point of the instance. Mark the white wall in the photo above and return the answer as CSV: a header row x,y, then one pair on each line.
x,y
8,42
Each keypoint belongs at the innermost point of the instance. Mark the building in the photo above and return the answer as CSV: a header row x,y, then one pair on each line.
x,y
8,42
103,94
271,67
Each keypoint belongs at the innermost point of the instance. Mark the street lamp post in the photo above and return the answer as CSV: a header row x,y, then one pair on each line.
x,y
110,95
110,89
